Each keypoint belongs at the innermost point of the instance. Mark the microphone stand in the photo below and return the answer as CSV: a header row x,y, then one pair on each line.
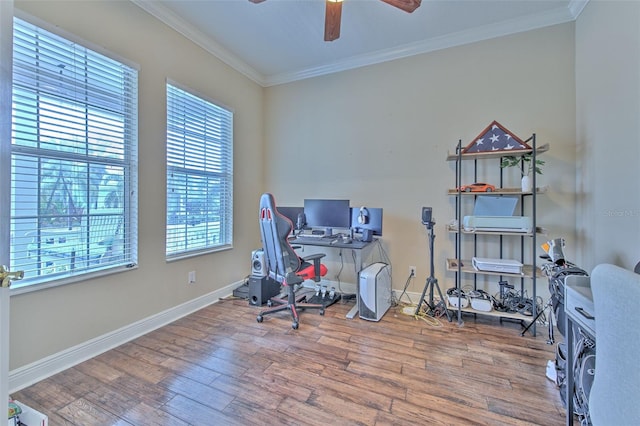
x,y
432,281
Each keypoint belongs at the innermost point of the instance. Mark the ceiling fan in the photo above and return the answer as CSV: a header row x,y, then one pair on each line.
x,y
333,14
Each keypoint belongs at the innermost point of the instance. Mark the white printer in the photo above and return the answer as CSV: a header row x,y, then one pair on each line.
x,y
495,214
507,266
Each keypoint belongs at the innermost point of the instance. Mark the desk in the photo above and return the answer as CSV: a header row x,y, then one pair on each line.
x,y
361,249
579,312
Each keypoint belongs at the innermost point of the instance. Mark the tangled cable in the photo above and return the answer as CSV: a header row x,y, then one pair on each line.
x,y
511,301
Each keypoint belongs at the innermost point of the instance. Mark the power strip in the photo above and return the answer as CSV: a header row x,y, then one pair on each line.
x,y
409,310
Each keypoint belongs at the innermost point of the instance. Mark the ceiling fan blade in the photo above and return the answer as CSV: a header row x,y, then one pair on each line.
x,y
332,18
256,1
406,5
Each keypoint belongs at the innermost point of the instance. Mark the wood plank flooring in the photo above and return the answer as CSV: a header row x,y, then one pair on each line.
x,y
219,366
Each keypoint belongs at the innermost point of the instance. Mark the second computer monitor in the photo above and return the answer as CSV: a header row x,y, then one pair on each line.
x,y
327,214
371,218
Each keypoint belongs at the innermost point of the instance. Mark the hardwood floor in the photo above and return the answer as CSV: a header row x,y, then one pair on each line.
x,y
219,366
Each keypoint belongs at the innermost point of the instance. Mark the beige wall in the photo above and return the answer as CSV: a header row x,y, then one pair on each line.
x,y
48,321
380,135
608,133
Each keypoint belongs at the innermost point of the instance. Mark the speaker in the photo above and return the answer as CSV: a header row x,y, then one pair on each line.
x,y
367,235
426,215
261,289
258,264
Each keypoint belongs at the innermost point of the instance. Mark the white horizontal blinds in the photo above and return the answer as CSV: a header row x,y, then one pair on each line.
x,y
74,138
199,174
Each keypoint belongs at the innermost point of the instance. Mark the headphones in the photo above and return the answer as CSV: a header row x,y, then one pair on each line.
x,y
363,216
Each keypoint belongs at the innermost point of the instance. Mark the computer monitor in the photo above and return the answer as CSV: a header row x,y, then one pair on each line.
x,y
327,214
373,220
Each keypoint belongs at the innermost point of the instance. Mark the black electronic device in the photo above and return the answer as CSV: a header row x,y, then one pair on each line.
x,y
426,215
327,214
261,289
433,308
373,220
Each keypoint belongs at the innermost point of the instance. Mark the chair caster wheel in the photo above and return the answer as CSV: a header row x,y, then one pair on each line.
x,y
294,325
269,303
322,312
259,318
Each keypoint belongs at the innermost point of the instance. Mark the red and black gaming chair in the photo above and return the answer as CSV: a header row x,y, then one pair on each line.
x,y
283,263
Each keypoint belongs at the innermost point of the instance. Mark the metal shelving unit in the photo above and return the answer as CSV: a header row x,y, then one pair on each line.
x,y
530,270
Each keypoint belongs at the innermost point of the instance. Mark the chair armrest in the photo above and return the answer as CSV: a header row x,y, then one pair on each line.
x,y
316,264
314,257
293,279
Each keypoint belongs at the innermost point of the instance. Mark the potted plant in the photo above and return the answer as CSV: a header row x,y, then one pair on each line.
x,y
526,164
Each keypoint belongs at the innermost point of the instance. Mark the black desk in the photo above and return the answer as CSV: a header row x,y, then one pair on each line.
x,y
328,242
360,248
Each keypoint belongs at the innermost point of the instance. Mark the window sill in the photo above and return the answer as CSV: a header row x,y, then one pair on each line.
x,y
19,288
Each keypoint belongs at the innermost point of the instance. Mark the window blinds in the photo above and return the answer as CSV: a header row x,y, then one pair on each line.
x,y
199,174
73,158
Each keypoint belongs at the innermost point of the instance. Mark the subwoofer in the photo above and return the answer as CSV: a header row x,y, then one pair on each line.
x,y
261,289
258,264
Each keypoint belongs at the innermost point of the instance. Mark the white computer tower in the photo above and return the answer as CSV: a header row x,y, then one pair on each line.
x,y
374,291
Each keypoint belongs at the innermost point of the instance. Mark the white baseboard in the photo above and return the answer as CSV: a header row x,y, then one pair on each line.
x,y
27,375
39,370
410,298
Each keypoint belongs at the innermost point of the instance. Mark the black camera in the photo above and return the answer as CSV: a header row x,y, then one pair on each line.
x,y
426,215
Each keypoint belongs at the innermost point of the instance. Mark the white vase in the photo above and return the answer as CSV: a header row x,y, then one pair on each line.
x,y
526,183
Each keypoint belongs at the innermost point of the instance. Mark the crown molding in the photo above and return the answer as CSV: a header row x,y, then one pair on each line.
x,y
541,20
576,7
207,43
532,22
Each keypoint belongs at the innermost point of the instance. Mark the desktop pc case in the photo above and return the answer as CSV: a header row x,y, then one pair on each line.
x,y
374,291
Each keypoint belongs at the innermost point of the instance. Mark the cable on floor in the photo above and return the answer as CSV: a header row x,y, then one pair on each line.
x,y
404,291
410,311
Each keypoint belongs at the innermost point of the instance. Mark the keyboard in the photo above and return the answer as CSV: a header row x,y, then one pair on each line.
x,y
331,237
307,239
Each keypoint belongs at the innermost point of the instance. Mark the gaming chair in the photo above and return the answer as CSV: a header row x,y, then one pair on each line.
x,y
283,263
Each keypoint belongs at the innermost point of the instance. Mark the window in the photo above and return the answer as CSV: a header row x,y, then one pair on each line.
x,y
199,174
73,158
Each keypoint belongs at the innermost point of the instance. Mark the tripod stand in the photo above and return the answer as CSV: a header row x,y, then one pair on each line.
x,y
550,322
432,281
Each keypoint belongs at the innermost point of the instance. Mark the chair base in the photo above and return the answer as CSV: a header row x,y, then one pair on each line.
x,y
293,304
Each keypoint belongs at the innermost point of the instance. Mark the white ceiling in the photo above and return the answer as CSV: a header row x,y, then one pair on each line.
x,y
280,41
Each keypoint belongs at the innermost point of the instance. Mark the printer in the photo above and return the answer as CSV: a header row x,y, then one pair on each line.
x,y
495,214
